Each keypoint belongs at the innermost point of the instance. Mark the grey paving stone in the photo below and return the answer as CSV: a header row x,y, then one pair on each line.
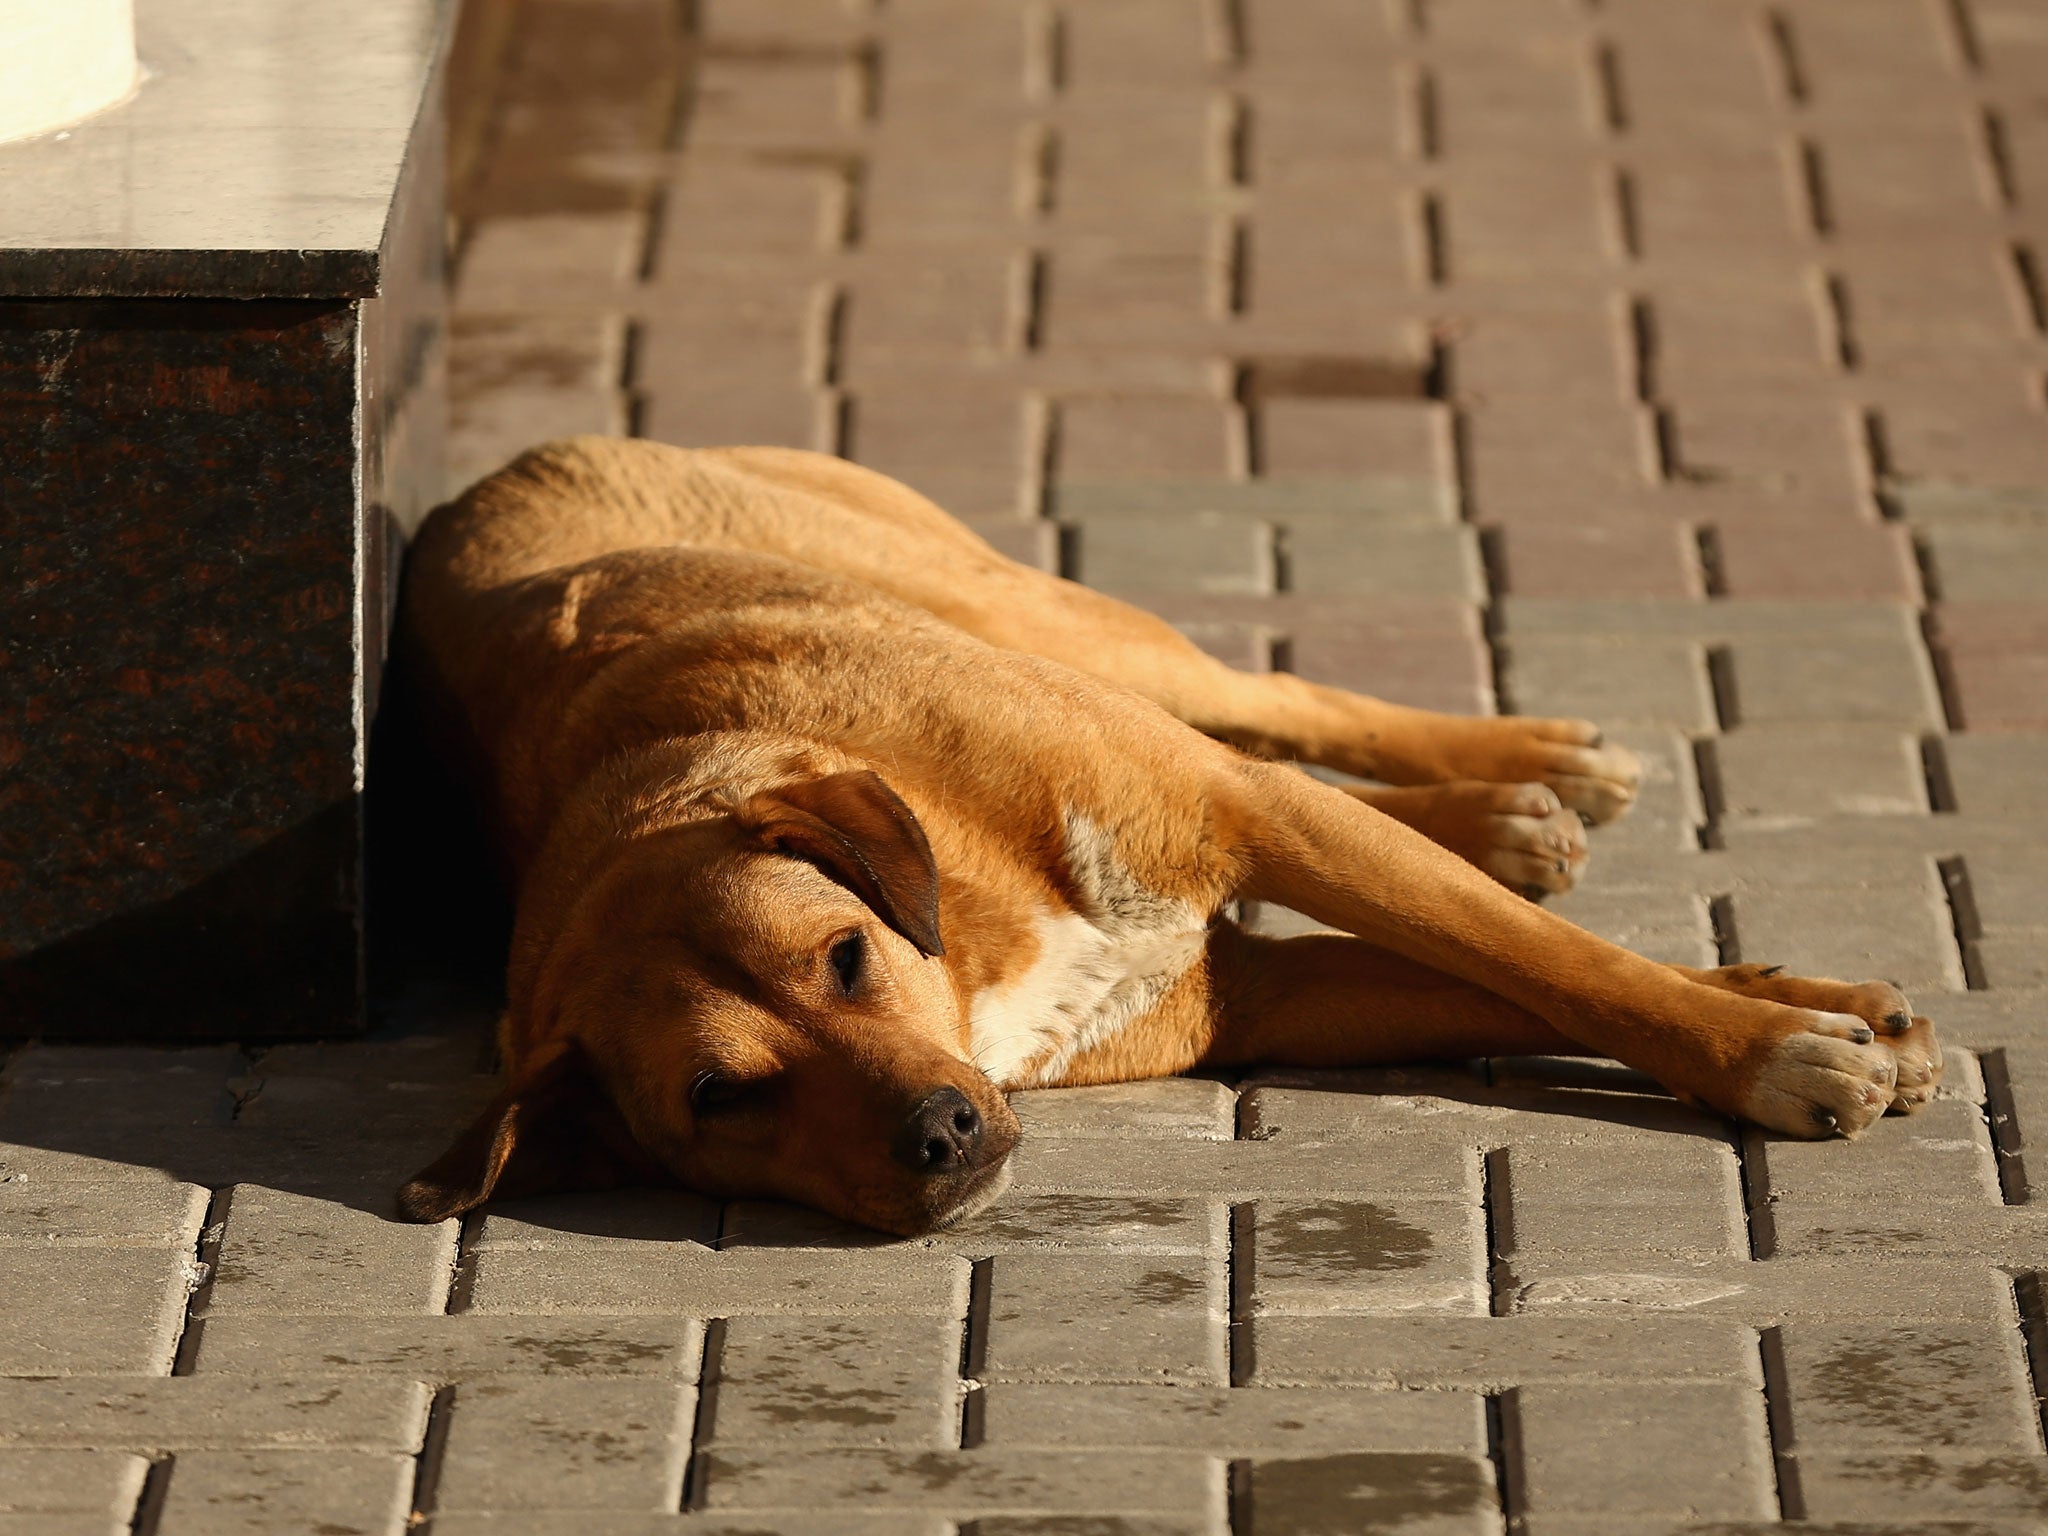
x,y
686,1281
443,1349
597,1222
1692,1170
2008,889
181,1413
1416,1167
1995,562
1227,1421
27,1162
1104,1317
1366,500
1698,1450
1649,679
1325,556
120,1212
622,1523
966,1483
1838,1229
1657,1227
1942,1153
1803,681
1715,623
292,1253
814,1381
80,1311
1903,1484
1430,1494
523,1443
1494,1353
1194,552
1396,1102
1675,927
71,1482
1164,1107
1116,1223
258,1493
1999,775
1901,933
64,1525
1913,1387
1309,1257
1094,1525
1764,1293
1788,773
446,1053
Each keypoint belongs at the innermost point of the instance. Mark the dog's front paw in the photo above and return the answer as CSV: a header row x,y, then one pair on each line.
x,y
1909,1039
1824,1075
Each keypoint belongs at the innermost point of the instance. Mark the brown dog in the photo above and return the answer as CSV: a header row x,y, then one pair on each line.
x,y
829,824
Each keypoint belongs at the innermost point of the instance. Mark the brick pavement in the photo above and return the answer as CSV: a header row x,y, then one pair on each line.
x,y
1678,364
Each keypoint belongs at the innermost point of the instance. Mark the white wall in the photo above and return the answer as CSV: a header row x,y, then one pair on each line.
x,y
61,60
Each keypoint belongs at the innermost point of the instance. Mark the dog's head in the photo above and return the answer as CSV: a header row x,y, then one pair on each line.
x,y
751,1001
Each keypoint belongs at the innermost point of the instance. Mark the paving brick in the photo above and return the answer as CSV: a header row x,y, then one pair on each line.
x,y
1409,440
1781,773
1997,692
1326,556
565,1444
1270,1421
1364,501
1414,1167
1165,1107
1028,541
687,1281
1643,679
79,1311
1196,551
1385,1106
1017,1222
1998,775
765,1523
1941,1153
814,1381
599,1222
1319,1256
1493,1353
966,1483
71,1482
961,443
283,1252
1695,1450
1762,1294
1915,1388
1810,681
1611,1232
1423,1492
1823,562
113,1213
1136,438
1890,1485
1901,934
1610,558
230,1493
445,1348
1100,1317
181,1413
1672,926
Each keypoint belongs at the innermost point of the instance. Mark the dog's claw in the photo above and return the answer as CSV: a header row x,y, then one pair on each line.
x,y
1825,1119
1899,1022
1769,971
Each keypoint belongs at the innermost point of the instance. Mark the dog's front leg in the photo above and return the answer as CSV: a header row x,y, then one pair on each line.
x,y
1803,1057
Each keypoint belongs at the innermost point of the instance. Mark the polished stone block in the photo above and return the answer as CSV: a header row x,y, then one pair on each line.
x,y
221,406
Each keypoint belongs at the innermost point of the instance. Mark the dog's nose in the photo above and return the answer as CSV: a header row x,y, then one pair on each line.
x,y
941,1134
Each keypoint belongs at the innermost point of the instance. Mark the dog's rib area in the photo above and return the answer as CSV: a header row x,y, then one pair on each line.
x,y
1097,968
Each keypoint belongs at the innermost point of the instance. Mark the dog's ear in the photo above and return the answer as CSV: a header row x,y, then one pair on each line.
x,y
553,1127
858,830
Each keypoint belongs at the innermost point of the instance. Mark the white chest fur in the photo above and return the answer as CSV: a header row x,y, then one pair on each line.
x,y
1097,968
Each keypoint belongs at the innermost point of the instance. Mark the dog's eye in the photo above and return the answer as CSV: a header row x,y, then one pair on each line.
x,y
711,1092
847,957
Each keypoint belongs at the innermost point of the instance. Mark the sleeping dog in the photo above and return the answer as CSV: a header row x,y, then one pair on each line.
x,y
829,824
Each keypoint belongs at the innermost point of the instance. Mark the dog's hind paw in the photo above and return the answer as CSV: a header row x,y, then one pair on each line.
x,y
1521,834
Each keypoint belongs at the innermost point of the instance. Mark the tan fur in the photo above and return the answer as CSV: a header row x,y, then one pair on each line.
x,y
634,648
